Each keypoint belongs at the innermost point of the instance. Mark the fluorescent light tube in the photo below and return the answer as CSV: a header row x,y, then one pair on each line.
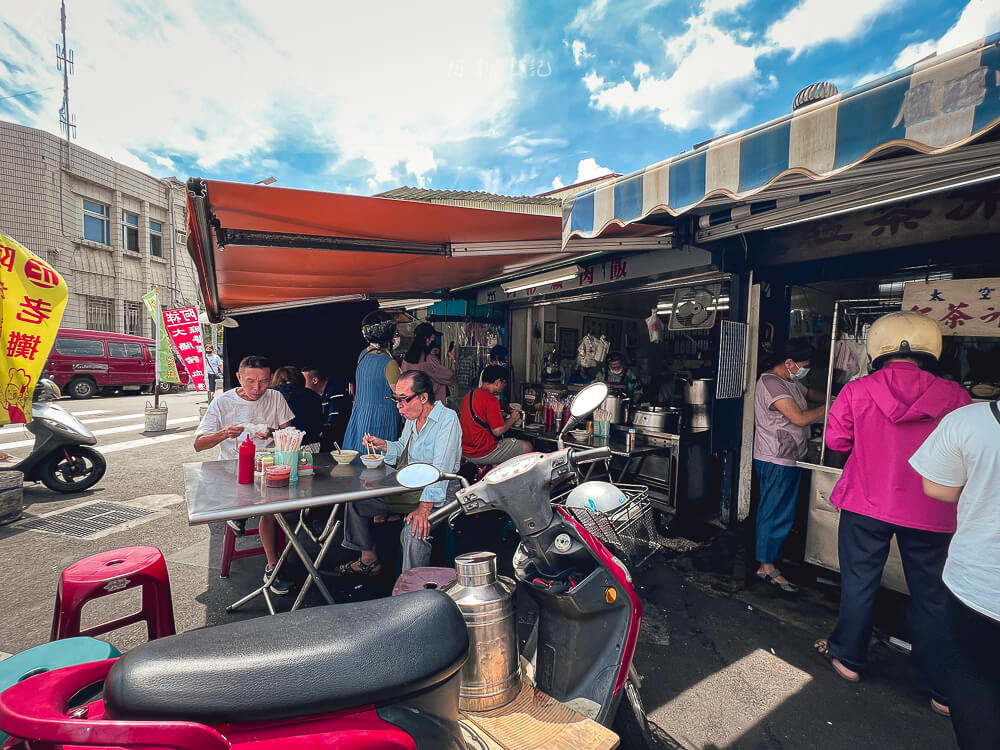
x,y
549,277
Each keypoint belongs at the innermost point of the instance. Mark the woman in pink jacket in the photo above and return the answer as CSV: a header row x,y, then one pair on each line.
x,y
881,420
419,357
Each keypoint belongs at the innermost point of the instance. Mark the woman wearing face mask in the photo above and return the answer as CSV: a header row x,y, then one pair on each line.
x,y
782,417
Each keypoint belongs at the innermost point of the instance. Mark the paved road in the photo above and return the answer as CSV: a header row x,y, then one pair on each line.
x,y
725,666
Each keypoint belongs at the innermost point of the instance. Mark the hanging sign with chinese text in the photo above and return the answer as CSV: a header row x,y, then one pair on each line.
x,y
34,297
166,368
185,332
965,307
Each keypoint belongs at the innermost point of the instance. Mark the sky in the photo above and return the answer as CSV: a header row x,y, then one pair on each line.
x,y
516,97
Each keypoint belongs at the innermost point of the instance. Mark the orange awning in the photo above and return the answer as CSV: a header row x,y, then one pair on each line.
x,y
256,245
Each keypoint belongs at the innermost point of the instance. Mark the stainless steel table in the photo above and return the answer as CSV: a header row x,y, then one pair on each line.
x,y
213,494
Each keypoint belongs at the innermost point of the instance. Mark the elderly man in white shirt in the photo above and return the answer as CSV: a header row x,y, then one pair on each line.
x,y
226,419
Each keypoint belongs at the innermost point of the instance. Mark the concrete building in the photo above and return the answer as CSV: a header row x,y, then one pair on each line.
x,y
113,232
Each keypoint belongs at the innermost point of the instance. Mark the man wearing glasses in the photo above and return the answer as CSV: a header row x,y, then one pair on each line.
x,y
431,434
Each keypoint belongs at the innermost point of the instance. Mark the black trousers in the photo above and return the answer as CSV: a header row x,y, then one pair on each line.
x,y
974,677
863,543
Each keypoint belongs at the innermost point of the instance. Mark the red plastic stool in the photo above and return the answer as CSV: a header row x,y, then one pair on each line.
x,y
230,553
108,573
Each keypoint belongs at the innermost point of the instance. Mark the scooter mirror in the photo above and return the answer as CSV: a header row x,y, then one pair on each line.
x,y
588,399
416,476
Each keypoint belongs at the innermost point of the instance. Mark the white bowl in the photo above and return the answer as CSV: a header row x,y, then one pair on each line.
x,y
343,457
579,434
372,463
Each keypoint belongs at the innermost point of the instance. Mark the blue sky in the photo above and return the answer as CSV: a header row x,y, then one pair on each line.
x,y
516,98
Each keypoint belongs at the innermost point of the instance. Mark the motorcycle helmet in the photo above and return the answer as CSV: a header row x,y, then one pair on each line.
x,y
378,328
907,334
597,497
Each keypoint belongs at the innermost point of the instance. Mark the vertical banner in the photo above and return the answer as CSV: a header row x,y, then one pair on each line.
x,y
33,300
185,332
166,367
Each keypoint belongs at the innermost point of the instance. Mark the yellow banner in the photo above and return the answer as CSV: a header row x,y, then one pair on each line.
x,y
33,300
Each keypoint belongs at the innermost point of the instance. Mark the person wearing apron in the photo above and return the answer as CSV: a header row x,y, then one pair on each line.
x,y
431,434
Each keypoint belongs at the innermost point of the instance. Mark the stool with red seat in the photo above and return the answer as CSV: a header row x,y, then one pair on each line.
x,y
108,573
230,553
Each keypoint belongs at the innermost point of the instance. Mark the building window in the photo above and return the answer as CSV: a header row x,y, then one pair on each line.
x,y
95,222
100,314
130,232
156,239
133,316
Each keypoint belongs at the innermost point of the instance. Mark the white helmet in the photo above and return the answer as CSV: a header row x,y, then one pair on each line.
x,y
908,334
597,497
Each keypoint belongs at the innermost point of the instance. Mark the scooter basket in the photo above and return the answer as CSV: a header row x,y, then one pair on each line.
x,y
629,530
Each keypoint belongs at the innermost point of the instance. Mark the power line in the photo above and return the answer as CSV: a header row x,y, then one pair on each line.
x,y
25,93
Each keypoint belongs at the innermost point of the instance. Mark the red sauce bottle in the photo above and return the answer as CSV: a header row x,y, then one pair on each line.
x,y
244,471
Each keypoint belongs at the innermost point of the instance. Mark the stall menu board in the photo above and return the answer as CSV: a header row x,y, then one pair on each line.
x,y
965,307
469,362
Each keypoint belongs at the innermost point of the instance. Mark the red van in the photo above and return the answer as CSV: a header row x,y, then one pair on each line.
x,y
83,363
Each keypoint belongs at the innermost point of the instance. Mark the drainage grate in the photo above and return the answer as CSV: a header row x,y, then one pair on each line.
x,y
87,520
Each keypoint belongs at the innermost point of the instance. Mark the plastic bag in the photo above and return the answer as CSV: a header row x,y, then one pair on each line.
x,y
653,326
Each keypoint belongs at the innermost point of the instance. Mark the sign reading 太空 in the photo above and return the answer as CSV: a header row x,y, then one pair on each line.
x,y
185,332
33,299
964,307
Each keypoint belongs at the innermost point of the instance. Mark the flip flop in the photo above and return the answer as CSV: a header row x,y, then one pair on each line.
x,y
358,568
940,708
389,518
822,647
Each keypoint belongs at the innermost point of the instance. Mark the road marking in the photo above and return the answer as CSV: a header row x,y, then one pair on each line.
x,y
113,419
138,427
143,441
92,411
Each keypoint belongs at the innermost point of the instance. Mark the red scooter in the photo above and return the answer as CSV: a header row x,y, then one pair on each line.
x,y
378,674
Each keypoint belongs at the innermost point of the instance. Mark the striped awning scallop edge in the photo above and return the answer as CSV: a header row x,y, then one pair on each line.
x,y
933,106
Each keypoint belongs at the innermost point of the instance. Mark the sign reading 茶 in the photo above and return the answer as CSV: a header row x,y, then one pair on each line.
x,y
963,307
185,332
33,299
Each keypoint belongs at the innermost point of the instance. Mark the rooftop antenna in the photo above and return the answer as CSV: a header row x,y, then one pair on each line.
x,y
64,62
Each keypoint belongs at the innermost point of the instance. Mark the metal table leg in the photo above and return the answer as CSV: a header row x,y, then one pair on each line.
x,y
304,557
263,590
329,532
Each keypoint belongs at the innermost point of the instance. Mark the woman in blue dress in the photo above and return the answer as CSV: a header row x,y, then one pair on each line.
x,y
374,413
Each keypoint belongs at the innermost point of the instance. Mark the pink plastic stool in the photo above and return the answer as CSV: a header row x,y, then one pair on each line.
x,y
108,573
230,553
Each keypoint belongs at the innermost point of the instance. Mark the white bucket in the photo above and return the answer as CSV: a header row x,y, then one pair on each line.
x,y
156,418
11,496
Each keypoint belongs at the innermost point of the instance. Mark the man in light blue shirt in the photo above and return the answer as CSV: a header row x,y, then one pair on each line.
x,y
431,434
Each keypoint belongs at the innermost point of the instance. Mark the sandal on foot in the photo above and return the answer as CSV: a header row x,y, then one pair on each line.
x,y
772,580
940,708
358,568
823,649
390,518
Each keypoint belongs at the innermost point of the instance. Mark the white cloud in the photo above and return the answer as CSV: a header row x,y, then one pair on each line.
x,y
588,169
200,82
714,81
979,19
525,145
717,7
580,52
588,18
557,183
815,22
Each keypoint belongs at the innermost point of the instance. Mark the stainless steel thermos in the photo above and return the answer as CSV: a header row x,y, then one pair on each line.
x,y
491,676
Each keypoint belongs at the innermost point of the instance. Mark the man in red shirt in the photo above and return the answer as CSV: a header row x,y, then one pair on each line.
x,y
483,425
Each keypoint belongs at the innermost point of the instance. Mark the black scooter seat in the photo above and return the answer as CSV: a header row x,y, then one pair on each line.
x,y
301,663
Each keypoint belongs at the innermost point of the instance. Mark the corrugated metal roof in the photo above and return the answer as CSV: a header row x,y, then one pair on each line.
x,y
521,204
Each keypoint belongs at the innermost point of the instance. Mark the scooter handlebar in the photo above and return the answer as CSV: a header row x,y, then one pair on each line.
x,y
589,456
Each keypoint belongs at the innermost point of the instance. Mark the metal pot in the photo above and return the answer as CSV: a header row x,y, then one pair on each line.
x,y
698,391
659,418
615,405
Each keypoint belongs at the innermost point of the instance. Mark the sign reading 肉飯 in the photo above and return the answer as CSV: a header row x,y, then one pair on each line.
x,y
33,299
964,307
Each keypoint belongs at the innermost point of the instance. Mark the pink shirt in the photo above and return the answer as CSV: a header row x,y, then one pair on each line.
x,y
441,375
882,419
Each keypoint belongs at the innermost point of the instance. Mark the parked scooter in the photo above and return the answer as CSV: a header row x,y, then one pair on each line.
x,y
376,674
60,457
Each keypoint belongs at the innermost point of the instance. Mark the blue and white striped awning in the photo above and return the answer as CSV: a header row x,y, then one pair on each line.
x,y
931,107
